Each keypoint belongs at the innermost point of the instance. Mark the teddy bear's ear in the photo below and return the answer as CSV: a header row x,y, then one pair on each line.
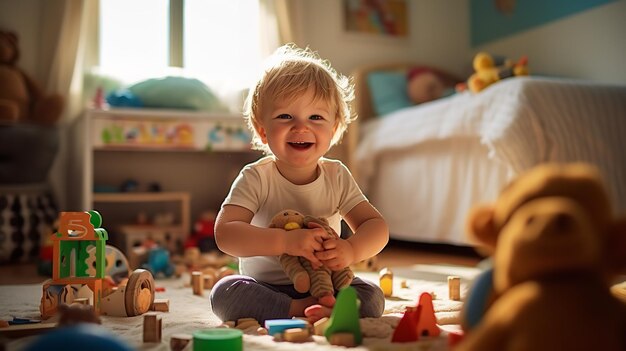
x,y
481,228
616,245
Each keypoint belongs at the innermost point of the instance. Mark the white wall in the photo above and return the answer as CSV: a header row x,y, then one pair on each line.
x,y
585,45
438,31
588,45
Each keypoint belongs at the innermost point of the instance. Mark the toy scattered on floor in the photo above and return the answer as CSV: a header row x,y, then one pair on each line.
x,y
80,337
161,305
320,282
454,288
367,265
225,339
152,327
278,326
486,72
246,325
419,321
343,327
159,262
178,342
203,236
79,249
556,248
385,281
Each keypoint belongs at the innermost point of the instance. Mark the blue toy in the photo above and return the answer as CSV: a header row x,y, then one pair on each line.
x,y
79,337
159,262
278,326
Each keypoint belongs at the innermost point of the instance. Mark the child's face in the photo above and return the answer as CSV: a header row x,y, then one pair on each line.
x,y
298,132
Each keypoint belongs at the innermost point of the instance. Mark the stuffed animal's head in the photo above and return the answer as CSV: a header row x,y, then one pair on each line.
x,y
9,52
424,84
288,220
552,218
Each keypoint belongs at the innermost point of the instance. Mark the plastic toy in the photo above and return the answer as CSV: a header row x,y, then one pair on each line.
x,y
320,282
159,262
79,337
345,319
386,281
556,248
203,235
487,73
218,339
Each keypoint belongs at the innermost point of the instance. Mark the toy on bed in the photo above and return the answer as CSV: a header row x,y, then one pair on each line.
x,y
427,84
21,98
556,248
487,71
320,282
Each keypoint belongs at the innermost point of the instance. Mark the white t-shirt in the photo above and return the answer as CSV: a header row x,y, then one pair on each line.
x,y
263,190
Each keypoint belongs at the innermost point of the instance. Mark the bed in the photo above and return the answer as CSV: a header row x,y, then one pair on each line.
x,y
425,166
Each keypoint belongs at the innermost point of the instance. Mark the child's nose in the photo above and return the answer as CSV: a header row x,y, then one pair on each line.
x,y
299,125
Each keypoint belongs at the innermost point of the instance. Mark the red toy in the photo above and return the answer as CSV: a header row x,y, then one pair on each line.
x,y
203,236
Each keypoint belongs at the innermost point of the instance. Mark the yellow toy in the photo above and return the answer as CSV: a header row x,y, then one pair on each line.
x,y
556,247
486,72
321,282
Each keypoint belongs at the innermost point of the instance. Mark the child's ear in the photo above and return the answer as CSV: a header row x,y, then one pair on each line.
x,y
260,130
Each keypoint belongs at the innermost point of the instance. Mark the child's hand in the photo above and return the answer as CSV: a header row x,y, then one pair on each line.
x,y
337,254
304,242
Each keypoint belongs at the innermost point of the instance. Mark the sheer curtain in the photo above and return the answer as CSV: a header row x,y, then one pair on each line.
x,y
68,37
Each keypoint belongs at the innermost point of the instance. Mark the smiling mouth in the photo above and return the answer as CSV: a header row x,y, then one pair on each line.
x,y
300,145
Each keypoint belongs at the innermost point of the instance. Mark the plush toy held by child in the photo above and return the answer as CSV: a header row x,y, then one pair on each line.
x,y
320,282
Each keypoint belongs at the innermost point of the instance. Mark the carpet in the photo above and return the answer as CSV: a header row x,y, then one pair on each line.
x,y
189,313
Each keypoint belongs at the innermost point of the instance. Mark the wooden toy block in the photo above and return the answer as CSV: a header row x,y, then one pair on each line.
x,y
345,318
161,305
454,288
229,324
320,326
179,341
261,331
342,339
278,326
386,281
296,335
209,281
245,324
403,284
427,323
152,324
197,283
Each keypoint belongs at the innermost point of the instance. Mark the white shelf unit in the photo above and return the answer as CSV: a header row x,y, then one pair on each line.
x,y
194,157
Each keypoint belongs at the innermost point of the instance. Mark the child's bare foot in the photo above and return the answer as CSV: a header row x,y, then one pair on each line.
x,y
298,306
327,300
316,312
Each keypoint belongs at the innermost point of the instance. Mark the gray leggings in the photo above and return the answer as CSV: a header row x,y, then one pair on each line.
x,y
239,296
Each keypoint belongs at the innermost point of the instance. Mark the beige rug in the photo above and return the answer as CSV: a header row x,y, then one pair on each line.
x,y
189,313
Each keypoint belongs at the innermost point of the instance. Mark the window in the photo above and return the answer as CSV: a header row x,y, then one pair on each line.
x,y
220,40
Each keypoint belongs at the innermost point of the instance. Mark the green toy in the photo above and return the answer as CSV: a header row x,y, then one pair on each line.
x,y
218,339
345,316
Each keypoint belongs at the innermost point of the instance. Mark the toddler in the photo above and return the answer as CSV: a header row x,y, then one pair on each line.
x,y
297,110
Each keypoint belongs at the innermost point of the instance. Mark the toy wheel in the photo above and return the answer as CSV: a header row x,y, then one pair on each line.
x,y
139,295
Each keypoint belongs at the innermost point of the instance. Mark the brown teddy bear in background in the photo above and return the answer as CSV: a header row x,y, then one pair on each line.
x,y
320,282
556,248
21,98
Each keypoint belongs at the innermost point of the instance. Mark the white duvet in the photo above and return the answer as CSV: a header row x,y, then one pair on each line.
x,y
521,121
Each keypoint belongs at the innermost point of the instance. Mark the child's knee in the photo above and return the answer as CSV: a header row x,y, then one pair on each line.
x,y
372,303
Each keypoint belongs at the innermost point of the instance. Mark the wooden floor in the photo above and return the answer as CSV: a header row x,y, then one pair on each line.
x,y
397,253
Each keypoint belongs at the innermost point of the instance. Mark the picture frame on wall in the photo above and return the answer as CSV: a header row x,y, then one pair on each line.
x,y
377,18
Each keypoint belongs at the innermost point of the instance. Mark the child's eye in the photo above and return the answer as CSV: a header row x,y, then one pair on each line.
x,y
284,116
316,118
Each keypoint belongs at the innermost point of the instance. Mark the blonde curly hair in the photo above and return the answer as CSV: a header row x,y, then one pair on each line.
x,y
289,72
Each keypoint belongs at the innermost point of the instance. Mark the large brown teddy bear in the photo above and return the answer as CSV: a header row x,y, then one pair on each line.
x,y
321,282
556,247
21,98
